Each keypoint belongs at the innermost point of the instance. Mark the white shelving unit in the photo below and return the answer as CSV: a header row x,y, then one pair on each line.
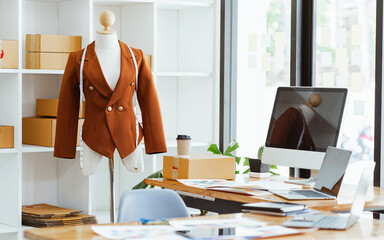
x,y
183,39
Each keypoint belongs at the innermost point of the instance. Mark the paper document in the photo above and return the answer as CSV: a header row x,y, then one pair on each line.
x,y
210,183
240,228
254,188
137,232
254,185
216,223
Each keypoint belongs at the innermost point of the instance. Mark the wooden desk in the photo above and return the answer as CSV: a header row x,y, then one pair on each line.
x,y
226,202
364,229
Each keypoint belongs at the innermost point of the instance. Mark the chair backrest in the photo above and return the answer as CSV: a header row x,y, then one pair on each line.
x,y
151,204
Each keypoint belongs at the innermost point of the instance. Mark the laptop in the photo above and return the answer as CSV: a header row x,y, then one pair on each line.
x,y
339,222
328,182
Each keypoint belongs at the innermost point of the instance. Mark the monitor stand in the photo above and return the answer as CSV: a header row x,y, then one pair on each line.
x,y
306,182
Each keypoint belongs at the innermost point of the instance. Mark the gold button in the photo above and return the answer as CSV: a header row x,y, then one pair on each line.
x,y
91,88
132,83
109,109
120,108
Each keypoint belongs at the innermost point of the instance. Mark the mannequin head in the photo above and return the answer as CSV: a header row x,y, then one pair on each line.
x,y
314,100
107,19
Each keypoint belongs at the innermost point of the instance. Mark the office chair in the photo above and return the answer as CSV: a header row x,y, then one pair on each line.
x,y
151,204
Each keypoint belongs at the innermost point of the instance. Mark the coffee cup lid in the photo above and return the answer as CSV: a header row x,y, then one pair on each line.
x,y
183,137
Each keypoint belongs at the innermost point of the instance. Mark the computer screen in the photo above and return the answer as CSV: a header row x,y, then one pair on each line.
x,y
304,119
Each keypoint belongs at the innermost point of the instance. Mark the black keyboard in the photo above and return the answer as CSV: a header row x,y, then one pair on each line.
x,y
309,193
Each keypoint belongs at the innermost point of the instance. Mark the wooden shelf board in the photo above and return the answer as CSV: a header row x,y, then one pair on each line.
x,y
7,229
183,74
41,71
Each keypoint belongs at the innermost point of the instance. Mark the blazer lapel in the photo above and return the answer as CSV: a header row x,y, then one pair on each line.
x,y
127,74
94,74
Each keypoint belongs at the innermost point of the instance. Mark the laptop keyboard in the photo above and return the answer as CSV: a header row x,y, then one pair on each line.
x,y
309,193
331,222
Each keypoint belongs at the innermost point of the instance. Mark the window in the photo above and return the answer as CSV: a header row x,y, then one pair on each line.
x,y
345,57
264,33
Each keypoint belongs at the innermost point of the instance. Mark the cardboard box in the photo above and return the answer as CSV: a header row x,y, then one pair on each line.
x,y
48,108
41,131
9,56
52,43
208,166
6,136
53,61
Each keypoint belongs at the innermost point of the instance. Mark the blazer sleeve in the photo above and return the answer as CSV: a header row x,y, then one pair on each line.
x,y
150,110
68,112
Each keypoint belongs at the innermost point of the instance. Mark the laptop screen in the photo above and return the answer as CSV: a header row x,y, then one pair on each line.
x,y
332,170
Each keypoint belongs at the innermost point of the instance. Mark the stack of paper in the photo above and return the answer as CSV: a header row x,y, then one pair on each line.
x,y
255,188
44,215
278,208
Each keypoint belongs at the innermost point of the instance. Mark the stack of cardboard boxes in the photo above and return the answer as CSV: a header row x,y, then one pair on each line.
x,y
44,215
41,130
50,51
9,56
8,60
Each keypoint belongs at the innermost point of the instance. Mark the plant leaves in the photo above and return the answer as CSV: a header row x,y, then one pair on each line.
x,y
273,167
260,152
142,185
246,171
236,172
231,147
273,173
246,161
238,160
214,149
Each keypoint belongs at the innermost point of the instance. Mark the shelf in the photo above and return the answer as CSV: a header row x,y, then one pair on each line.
x,y
9,71
41,71
26,148
173,143
121,2
9,150
179,5
170,143
183,74
7,229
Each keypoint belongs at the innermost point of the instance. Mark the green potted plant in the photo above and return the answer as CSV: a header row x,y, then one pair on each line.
x,y
257,166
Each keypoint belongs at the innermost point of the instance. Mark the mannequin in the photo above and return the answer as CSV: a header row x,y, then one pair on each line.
x,y
108,53
108,73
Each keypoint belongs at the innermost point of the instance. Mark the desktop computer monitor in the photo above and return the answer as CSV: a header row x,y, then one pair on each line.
x,y
304,122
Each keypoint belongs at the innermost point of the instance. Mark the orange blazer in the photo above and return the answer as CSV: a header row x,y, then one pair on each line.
x,y
109,118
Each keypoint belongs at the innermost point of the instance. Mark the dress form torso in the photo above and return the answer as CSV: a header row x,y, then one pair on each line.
x,y
307,112
108,52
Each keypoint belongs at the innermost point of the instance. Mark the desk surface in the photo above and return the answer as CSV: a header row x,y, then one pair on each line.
x,y
375,195
364,229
